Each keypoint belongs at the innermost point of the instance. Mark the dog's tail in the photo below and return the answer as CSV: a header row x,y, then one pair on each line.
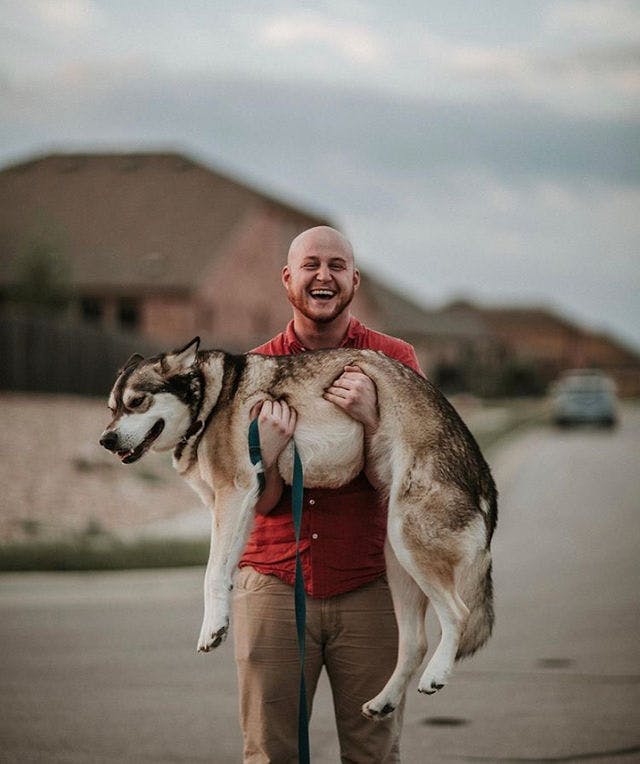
x,y
475,585
476,590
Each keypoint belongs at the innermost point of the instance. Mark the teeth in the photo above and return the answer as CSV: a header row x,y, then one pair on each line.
x,y
322,293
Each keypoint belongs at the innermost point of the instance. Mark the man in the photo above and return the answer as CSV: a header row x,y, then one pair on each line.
x,y
351,627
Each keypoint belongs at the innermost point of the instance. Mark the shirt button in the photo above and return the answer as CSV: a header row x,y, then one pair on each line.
x,y
312,502
314,535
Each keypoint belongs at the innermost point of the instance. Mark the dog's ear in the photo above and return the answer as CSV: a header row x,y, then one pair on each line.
x,y
180,361
133,360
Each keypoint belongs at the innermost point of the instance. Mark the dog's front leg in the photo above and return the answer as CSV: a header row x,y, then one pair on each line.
x,y
214,629
231,522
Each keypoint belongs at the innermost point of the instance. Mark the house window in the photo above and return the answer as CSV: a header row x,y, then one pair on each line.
x,y
128,314
91,309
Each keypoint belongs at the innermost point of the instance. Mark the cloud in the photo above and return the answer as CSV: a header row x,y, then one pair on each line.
x,y
358,44
595,73
59,17
600,20
591,81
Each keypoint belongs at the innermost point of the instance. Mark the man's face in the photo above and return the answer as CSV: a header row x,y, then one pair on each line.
x,y
320,279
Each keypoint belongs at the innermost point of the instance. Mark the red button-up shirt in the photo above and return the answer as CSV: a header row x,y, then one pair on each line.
x,y
343,530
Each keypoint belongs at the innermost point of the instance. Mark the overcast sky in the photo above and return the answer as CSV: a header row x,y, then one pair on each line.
x,y
486,149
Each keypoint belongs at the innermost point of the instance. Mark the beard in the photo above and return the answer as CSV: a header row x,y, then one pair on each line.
x,y
306,305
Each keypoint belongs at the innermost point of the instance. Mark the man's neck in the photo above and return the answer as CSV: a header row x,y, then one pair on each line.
x,y
316,336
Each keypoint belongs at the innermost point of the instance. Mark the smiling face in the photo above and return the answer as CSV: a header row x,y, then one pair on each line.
x,y
320,276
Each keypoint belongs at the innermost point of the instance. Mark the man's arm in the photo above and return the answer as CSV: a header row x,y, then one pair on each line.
x,y
276,425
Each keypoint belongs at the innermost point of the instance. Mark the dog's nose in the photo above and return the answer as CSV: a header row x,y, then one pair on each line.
x,y
109,440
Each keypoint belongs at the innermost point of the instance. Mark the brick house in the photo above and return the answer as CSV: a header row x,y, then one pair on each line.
x,y
154,243
165,248
550,343
160,245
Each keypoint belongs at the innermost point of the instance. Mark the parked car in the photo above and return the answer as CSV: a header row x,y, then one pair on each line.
x,y
584,396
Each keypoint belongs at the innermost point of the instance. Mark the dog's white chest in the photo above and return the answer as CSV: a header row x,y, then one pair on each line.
x,y
331,448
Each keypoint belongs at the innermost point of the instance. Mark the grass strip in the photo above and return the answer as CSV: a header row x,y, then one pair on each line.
x,y
102,553
521,418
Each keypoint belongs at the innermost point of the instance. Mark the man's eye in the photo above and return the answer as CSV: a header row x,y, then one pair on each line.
x,y
135,402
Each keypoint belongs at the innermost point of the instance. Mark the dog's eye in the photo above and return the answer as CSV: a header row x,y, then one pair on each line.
x,y
135,402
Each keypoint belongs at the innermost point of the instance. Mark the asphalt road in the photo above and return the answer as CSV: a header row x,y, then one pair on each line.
x,y
102,667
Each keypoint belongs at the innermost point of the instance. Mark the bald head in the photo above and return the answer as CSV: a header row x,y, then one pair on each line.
x,y
321,238
321,279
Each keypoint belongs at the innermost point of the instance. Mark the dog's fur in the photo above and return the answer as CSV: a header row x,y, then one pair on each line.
x,y
442,498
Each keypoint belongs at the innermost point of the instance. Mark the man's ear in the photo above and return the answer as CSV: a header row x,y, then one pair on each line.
x,y
356,278
181,361
286,276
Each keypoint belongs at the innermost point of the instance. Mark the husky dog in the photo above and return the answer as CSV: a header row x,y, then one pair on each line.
x,y
442,507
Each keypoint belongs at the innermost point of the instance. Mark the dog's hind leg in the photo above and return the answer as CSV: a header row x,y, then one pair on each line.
x,y
410,605
453,615
232,517
430,555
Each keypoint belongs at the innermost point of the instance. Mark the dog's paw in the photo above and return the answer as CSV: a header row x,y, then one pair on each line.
x,y
377,710
433,679
211,637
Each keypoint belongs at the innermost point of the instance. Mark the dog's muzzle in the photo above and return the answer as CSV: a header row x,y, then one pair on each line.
x,y
109,440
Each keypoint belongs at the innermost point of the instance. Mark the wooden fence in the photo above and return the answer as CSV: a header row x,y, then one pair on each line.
x,y
46,354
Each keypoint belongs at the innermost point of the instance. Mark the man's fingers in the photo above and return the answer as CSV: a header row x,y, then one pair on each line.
x,y
341,384
352,374
278,415
338,391
351,384
256,409
339,400
266,410
289,421
349,380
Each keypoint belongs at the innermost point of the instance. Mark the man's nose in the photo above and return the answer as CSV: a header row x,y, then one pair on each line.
x,y
323,273
109,440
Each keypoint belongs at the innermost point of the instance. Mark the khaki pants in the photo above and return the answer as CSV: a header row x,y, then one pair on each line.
x,y
353,635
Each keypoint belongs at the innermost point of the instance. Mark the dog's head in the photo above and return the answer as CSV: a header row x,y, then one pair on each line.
x,y
153,403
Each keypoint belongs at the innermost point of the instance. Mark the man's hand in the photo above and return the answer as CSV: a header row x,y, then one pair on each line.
x,y
276,425
356,395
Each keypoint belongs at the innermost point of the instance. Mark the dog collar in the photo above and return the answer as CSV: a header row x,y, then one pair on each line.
x,y
194,427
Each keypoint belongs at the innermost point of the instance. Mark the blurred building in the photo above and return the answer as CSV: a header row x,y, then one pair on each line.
x,y
539,341
166,248
153,243
160,248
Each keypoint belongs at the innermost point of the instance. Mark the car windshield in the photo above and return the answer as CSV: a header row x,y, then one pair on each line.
x,y
587,384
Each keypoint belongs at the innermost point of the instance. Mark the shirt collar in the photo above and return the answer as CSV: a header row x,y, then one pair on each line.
x,y
354,330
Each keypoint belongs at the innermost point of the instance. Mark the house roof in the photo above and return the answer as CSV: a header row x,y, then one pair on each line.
x,y
504,317
404,317
503,320
143,220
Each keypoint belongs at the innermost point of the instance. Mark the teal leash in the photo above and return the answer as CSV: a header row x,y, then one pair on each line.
x,y
255,454
297,496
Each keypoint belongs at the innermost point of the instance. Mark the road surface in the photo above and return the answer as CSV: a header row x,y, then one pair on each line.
x,y
102,667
